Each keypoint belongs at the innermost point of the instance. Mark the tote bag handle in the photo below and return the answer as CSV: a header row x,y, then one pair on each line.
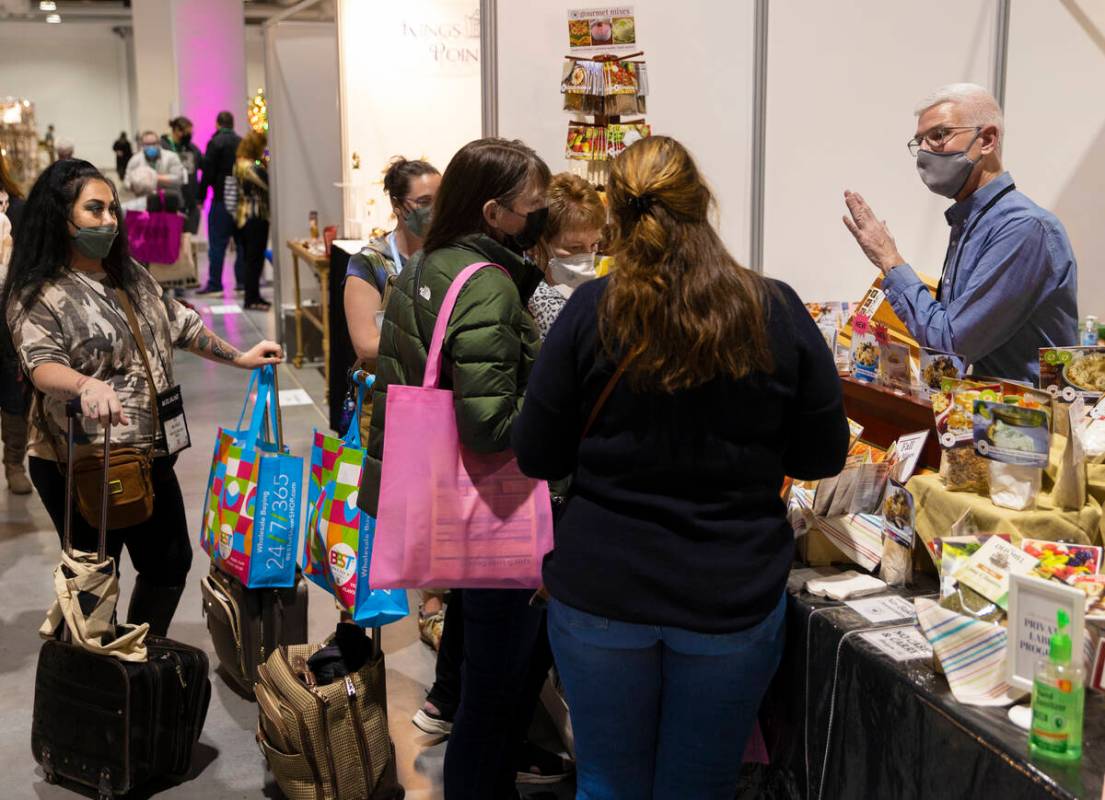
x,y
432,376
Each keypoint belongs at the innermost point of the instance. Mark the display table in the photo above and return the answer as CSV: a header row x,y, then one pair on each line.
x,y
887,415
938,509
320,265
846,721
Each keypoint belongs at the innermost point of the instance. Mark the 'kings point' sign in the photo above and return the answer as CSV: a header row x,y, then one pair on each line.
x,y
450,34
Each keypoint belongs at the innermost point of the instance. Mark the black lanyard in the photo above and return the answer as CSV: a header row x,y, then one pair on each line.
x,y
966,235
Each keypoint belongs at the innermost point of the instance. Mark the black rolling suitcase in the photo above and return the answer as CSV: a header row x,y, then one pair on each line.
x,y
111,724
247,625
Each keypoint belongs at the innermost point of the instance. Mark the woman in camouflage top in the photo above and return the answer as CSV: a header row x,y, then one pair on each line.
x,y
73,339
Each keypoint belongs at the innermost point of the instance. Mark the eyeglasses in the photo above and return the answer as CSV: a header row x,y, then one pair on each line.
x,y
938,137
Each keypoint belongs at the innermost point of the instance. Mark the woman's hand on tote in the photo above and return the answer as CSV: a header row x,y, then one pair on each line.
x,y
99,402
259,355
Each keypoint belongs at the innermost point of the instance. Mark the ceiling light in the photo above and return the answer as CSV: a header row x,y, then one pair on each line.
x,y
54,19
47,5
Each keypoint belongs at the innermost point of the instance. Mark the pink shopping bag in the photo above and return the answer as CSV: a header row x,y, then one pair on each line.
x,y
448,516
155,236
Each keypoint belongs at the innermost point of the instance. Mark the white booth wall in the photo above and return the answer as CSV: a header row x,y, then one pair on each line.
x,y
843,79
304,139
1055,120
76,75
410,86
700,73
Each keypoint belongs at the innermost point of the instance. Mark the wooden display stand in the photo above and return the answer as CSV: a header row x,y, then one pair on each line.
x,y
320,265
887,415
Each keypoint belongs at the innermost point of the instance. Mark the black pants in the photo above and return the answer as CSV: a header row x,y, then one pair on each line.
x,y
255,236
160,547
445,693
501,630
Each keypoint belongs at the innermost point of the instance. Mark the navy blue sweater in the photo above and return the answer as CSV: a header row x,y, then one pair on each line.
x,y
674,516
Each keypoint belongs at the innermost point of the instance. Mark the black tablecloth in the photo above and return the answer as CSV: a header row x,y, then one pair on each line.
x,y
896,731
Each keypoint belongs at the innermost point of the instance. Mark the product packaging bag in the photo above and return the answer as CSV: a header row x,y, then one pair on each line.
x,y
155,236
448,516
252,512
338,547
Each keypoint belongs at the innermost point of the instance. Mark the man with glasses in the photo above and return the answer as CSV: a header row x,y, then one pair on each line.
x,y
1009,282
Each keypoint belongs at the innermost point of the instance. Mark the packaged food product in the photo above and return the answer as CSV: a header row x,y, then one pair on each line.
x,y
1063,561
1011,433
870,487
896,567
865,356
964,470
1067,372
894,366
935,366
1014,486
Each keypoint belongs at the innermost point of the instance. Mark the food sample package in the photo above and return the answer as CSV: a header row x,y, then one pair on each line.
x,y
1012,434
896,567
865,357
894,368
1067,372
1014,486
935,366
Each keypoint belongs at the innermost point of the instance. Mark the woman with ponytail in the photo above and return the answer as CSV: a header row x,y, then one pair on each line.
x,y
677,392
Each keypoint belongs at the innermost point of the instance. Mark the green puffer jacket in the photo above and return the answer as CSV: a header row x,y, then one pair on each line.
x,y
490,345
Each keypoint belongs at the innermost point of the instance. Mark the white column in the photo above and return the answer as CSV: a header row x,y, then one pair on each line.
x,y
155,69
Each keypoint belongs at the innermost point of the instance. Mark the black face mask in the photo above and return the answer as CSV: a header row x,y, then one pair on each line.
x,y
185,140
531,233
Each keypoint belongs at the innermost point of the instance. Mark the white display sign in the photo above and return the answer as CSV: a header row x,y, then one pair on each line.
x,y
901,644
294,397
1033,607
410,86
890,608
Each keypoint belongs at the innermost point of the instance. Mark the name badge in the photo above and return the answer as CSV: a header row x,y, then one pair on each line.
x,y
174,425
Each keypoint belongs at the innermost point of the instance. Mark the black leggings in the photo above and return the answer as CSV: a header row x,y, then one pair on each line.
x,y
159,548
255,236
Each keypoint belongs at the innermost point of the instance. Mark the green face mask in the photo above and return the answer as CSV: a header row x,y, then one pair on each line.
x,y
418,221
95,241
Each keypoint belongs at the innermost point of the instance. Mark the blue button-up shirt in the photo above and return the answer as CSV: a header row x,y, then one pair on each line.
x,y
1015,289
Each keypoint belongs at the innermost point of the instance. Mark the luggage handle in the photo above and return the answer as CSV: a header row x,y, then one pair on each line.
x,y
72,411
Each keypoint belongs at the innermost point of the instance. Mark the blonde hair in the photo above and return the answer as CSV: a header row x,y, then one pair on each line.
x,y
573,204
253,146
678,303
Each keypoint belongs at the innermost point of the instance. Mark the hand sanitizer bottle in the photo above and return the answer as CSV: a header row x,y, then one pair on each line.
x,y
1058,695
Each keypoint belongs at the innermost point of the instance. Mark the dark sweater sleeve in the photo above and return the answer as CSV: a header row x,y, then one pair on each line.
x,y
817,433
545,437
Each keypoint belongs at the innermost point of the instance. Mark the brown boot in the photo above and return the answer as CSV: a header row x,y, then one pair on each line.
x,y
13,431
18,482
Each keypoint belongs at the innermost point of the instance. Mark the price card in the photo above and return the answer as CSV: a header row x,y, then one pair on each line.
x,y
889,608
901,644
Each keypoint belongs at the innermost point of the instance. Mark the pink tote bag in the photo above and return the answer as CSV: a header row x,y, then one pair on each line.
x,y
448,516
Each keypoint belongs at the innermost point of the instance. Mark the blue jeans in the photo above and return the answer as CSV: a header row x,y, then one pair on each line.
x,y
221,228
661,713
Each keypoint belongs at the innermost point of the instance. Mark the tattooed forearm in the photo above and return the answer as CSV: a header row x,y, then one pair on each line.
x,y
211,346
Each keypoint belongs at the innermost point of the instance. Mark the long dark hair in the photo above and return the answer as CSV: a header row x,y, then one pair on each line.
x,y
41,252
486,169
678,303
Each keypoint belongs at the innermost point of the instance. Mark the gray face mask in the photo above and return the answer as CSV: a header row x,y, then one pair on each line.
x,y
418,221
946,173
95,241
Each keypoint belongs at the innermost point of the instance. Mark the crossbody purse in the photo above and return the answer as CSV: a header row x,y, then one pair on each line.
x,y
130,469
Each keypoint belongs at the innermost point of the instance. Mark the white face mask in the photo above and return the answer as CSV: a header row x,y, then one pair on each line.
x,y
573,271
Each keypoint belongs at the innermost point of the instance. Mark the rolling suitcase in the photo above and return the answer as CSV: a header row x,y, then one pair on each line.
x,y
326,737
112,724
247,625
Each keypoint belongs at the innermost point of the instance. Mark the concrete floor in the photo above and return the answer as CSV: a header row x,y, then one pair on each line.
x,y
228,764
